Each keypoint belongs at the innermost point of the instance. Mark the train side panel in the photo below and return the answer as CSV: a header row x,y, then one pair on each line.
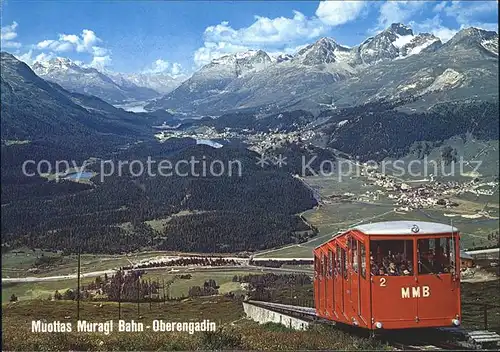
x,y
341,287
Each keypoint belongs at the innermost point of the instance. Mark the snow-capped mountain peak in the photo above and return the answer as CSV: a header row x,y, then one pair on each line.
x,y
474,37
277,58
395,42
55,64
418,43
237,64
399,29
239,56
324,51
75,77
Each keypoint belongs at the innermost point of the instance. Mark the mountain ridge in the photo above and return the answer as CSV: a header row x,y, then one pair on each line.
x,y
324,64
33,108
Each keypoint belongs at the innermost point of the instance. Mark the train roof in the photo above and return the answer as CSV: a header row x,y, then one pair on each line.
x,y
465,255
404,227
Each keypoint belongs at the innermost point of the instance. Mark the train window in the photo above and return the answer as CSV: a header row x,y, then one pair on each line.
x,y
325,264
344,263
321,263
354,255
391,257
337,261
362,250
330,263
316,266
435,255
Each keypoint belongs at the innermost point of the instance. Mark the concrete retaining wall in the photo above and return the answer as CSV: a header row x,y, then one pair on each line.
x,y
263,315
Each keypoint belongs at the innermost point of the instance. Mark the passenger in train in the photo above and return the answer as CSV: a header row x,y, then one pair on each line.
x,y
404,270
425,265
437,267
393,271
393,265
442,258
373,266
410,267
382,272
429,264
385,263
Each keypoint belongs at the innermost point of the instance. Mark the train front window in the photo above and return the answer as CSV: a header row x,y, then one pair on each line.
x,y
435,256
391,257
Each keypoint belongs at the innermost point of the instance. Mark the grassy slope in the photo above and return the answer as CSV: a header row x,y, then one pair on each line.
x,y
242,334
179,288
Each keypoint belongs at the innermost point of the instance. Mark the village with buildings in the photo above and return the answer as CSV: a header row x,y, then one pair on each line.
x,y
425,193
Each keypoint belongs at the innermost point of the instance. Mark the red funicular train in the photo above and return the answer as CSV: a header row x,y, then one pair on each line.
x,y
390,275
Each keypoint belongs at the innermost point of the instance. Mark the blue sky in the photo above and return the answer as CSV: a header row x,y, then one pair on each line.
x,y
178,37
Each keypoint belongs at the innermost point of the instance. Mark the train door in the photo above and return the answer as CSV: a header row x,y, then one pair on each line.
x,y
345,286
321,286
364,285
338,278
438,291
325,284
317,296
354,276
331,284
394,280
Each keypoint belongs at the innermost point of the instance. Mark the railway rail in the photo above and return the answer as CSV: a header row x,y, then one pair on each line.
x,y
407,340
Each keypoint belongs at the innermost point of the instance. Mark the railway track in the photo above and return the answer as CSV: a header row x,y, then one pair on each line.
x,y
414,340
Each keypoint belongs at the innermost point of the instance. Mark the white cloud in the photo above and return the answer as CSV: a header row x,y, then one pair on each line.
x,y
100,62
43,57
87,42
393,11
266,31
162,66
176,69
468,12
44,44
26,57
30,59
280,34
435,26
334,13
8,33
212,51
440,6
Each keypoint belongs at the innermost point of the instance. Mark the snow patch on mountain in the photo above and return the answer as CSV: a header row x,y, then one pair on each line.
x,y
491,45
402,40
